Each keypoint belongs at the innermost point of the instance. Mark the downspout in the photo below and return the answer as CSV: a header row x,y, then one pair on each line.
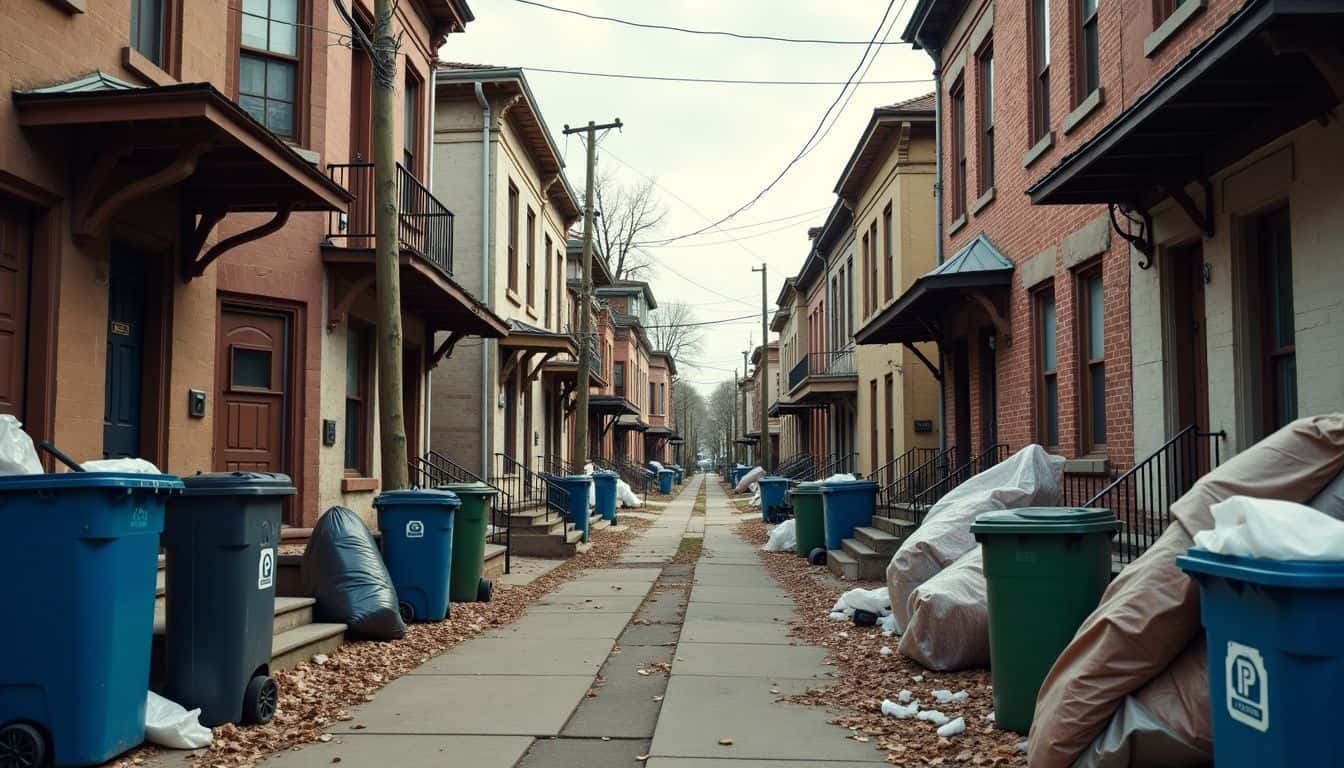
x,y
486,404
936,55
427,379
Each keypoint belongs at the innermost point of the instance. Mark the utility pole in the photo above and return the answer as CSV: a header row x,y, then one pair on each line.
x,y
733,431
763,370
746,447
586,340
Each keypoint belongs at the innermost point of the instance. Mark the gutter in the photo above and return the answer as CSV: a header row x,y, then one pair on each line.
x,y
935,54
486,348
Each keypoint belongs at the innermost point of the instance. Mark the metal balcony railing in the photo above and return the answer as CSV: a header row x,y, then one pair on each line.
x,y
798,373
425,225
821,364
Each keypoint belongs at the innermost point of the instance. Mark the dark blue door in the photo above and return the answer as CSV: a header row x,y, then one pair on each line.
x,y
125,354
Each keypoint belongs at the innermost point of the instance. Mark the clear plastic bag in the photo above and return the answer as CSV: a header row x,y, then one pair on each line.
x,y
17,454
172,725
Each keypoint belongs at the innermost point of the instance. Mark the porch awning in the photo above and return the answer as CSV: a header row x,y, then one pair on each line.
x,y
629,422
676,440
530,338
747,440
659,432
426,291
789,408
1255,78
611,405
971,273
568,370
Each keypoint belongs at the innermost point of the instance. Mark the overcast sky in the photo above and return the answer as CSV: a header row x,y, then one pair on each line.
x,y
709,148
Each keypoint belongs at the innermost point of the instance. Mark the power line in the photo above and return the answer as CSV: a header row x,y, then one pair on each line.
x,y
715,80
704,322
815,132
692,31
776,230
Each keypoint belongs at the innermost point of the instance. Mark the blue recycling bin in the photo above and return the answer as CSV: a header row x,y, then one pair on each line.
x,y
846,505
665,478
738,473
417,543
604,493
577,512
774,498
681,475
1275,659
79,560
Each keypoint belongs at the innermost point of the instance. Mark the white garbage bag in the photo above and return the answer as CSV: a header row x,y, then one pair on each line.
x,y
17,454
130,466
656,466
948,627
748,482
1031,477
625,496
875,601
840,477
783,538
171,725
1273,529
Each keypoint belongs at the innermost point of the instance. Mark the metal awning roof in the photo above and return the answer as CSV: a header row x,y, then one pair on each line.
x,y
1249,82
533,339
630,422
659,432
917,314
789,408
611,405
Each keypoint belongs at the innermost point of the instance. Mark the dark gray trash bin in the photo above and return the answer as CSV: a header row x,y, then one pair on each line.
x,y
220,538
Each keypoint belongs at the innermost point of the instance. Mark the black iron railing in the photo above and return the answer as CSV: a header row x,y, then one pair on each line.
x,y
835,464
797,373
1142,495
798,467
635,476
554,465
889,476
899,494
922,501
434,470
530,490
424,225
821,364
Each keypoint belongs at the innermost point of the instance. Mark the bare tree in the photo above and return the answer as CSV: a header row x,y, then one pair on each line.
x,y
720,408
691,414
628,216
672,328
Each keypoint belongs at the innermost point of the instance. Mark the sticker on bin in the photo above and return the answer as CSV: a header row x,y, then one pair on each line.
x,y
139,517
1247,687
266,569
415,529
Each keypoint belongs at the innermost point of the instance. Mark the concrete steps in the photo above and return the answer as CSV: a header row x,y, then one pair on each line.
x,y
842,564
296,638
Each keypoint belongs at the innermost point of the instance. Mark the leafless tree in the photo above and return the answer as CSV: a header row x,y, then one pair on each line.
x,y
629,215
720,409
672,328
690,411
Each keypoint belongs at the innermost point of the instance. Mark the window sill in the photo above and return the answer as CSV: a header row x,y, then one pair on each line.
x,y
982,201
953,228
532,313
1173,24
358,484
513,297
142,66
1093,465
1086,107
1047,141
69,6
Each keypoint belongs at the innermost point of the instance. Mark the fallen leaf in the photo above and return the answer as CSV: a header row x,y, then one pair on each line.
x,y
725,741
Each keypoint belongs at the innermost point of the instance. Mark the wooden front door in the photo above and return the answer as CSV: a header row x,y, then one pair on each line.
x,y
16,242
961,386
527,423
125,354
1187,336
412,375
252,372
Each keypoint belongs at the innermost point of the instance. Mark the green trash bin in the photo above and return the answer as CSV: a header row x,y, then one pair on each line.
x,y
465,584
1045,568
809,522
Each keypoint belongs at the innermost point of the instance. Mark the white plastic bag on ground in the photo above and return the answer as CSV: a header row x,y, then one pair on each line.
x,y
1273,529
783,538
17,454
169,724
625,496
748,482
860,599
1031,477
131,466
949,618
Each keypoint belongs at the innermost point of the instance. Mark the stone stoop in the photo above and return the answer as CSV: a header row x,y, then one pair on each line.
x,y
494,561
865,556
296,637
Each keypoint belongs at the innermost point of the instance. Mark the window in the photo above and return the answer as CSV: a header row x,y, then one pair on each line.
x,y
147,22
618,378
887,251
1273,243
849,298
890,403
269,63
410,140
1087,64
872,263
1047,380
1040,55
867,257
513,238
1092,376
357,403
511,416
250,368
872,423
531,257
1164,8
985,63
958,126
653,399
550,279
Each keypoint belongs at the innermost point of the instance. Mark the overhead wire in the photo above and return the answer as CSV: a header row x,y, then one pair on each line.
x,y
716,80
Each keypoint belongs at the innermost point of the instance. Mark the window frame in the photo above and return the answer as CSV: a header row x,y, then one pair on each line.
x,y
1041,375
511,416
872,277
1271,352
531,273
1086,61
550,277
984,67
888,254
413,117
1090,441
359,333
872,429
514,223
1038,19
1163,9
298,61
889,403
957,125
618,377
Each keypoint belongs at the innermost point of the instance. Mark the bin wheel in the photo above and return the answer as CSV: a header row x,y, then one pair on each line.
x,y
260,700
817,556
22,746
407,612
484,590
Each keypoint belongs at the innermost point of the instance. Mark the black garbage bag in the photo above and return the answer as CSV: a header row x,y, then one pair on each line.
x,y
344,571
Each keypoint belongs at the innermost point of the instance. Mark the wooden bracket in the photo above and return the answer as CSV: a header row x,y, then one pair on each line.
x,y
340,308
537,370
937,373
1202,219
195,232
510,362
445,349
1001,325
195,267
93,223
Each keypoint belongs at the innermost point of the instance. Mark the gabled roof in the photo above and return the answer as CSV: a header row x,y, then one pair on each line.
x,y
979,255
96,81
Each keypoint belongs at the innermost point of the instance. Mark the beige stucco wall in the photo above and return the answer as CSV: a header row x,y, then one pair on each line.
x,y
1303,168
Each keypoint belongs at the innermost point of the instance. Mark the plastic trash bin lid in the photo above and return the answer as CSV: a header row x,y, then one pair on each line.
x,y
1047,520
473,488
605,473
238,484
59,480
847,485
806,489
1295,574
418,497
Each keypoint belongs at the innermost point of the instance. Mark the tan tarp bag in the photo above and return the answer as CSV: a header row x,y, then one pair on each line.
x,y
949,617
1150,613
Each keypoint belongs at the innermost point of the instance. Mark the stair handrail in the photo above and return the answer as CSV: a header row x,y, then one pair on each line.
x,y
533,487
925,499
441,470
